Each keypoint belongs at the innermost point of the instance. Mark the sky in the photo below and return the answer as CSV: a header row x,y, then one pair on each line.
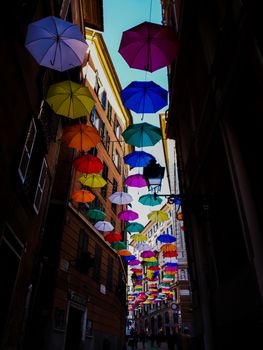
x,y
119,16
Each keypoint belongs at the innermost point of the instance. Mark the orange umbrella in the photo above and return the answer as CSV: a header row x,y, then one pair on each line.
x,y
168,247
124,252
81,136
83,196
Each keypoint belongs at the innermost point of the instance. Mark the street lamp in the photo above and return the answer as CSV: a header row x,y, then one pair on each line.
x,y
153,174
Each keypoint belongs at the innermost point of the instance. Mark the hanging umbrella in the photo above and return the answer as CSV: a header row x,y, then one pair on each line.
x,y
147,254
134,227
168,247
149,46
142,246
138,158
138,237
70,99
142,134
81,136
56,43
118,245
144,97
92,180
112,237
120,198
87,164
157,216
134,262
103,226
166,238
124,252
150,199
129,258
128,215
83,196
168,254
136,180
96,214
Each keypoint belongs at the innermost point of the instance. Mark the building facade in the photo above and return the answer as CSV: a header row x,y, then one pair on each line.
x,y
215,86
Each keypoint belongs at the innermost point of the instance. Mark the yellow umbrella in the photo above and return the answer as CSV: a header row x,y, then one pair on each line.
x,y
157,216
92,180
70,99
138,237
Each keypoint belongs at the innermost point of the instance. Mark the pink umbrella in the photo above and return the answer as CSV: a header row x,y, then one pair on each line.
x,y
128,215
149,46
136,180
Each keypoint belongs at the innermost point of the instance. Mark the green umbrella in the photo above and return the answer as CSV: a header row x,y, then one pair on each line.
x,y
118,245
150,199
134,227
96,214
142,134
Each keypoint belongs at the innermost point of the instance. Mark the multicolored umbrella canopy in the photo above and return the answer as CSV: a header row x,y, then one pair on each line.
x,y
144,97
166,238
120,198
87,164
142,134
158,216
81,137
128,215
56,43
96,214
112,237
149,46
134,227
92,180
138,158
150,200
136,180
70,99
82,196
103,226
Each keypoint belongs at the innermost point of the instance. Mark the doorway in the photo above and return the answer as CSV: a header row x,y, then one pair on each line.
x,y
74,329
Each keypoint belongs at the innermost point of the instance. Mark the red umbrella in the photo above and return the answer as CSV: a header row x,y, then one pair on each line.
x,y
149,46
169,254
112,237
88,164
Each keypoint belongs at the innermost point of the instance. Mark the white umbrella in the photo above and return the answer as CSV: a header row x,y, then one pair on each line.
x,y
120,198
103,226
142,246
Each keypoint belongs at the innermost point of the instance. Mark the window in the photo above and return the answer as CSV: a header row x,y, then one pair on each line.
x,y
40,186
114,207
102,132
105,171
82,243
27,151
104,191
107,142
94,118
117,128
103,99
109,111
150,234
109,283
97,263
114,186
93,151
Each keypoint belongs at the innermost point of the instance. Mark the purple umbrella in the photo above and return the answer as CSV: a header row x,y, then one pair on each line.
x,y
136,180
149,46
128,215
134,262
56,44
147,254
138,158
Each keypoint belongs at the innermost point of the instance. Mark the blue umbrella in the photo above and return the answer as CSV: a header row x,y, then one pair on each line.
x,y
166,238
138,158
144,97
56,44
